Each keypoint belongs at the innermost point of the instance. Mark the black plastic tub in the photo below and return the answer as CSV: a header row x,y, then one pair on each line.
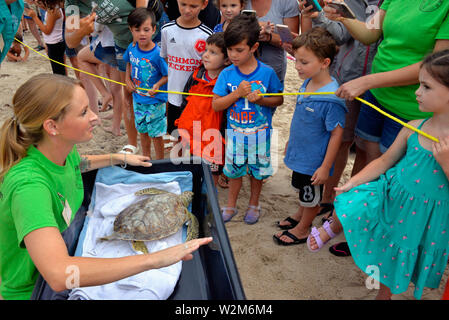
x,y
212,274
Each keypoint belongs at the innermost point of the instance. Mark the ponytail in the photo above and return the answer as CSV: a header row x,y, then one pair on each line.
x,y
42,97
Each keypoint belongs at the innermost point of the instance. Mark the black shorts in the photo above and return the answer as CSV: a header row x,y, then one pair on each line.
x,y
309,195
173,113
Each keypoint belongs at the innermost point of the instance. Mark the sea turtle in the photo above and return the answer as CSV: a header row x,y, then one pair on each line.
x,y
158,216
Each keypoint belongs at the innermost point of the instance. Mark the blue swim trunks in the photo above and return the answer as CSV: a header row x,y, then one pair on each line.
x,y
150,118
248,154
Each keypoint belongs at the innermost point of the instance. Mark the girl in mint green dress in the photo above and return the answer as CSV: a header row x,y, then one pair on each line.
x,y
395,212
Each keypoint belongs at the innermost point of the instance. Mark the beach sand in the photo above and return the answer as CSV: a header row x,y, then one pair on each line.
x,y
267,271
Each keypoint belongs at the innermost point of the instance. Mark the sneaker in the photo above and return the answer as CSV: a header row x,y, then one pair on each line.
x,y
39,48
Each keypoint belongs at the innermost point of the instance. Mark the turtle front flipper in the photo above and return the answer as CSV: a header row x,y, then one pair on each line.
x,y
140,246
150,191
193,226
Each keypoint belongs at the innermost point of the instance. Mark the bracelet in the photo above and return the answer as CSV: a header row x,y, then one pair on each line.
x,y
110,160
125,163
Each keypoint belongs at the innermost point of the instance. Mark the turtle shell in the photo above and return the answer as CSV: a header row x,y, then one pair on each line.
x,y
153,218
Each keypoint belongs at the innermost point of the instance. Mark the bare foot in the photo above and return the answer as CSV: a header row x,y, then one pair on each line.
x,y
114,131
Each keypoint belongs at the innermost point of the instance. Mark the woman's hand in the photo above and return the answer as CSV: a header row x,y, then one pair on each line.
x,y
183,251
354,88
331,13
137,160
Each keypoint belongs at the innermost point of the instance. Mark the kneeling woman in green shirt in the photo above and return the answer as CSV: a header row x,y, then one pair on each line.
x,y
42,189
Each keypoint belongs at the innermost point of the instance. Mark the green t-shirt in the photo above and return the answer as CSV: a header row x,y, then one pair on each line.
x,y
410,29
112,13
32,196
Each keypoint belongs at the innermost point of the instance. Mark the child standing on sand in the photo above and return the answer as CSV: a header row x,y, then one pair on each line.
x,y
146,69
248,114
394,212
315,134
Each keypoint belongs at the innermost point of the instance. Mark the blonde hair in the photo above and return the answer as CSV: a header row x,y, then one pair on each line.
x,y
42,97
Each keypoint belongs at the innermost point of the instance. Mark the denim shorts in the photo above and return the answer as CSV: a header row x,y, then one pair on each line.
x,y
374,126
121,64
105,54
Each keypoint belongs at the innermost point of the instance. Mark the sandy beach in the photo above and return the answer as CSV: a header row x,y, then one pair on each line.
x,y
267,271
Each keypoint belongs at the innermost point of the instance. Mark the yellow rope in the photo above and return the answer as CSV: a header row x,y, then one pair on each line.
x,y
262,94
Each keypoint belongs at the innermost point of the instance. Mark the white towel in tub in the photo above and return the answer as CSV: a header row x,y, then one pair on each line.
x,y
149,285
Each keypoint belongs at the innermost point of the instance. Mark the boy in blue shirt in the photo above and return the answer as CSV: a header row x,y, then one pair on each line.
x,y
146,69
248,114
316,133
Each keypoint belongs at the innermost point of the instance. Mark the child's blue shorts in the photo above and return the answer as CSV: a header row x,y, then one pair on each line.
x,y
248,154
150,118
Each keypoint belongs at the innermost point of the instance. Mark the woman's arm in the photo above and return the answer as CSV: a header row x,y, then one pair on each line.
x,y
359,29
401,77
74,34
92,162
61,271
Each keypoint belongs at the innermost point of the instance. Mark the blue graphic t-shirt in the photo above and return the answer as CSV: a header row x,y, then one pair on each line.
x,y
244,116
147,68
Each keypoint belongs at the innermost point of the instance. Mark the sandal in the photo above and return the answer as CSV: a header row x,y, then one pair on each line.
x,y
223,181
128,147
293,223
226,216
291,236
252,215
340,249
316,234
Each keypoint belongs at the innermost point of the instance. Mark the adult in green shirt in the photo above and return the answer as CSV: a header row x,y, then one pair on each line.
x,y
42,189
411,30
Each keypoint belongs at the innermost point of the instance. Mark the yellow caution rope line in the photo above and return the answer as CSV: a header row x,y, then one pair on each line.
x,y
261,94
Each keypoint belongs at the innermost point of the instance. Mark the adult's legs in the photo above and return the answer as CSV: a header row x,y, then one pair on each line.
x,y
88,62
35,32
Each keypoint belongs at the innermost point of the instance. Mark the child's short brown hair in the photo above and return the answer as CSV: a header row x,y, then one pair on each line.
x,y
319,41
217,39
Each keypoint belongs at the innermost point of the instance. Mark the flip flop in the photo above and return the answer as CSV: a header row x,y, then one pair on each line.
x,y
251,216
316,234
291,236
293,223
226,216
